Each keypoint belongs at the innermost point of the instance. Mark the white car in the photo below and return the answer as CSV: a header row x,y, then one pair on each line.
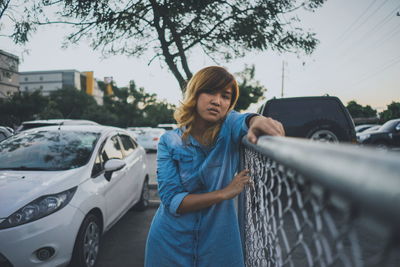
x,y
147,137
167,126
41,123
61,188
5,132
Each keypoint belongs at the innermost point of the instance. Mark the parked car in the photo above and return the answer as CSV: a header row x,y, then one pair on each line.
x,y
5,132
371,129
387,136
148,137
61,188
363,127
41,123
167,126
322,118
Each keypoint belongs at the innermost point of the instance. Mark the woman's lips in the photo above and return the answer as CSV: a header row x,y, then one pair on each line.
x,y
213,111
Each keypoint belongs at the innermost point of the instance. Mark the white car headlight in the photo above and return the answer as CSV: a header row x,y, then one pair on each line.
x,y
362,137
39,208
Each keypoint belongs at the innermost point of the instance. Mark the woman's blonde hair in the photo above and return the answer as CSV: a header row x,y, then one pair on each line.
x,y
209,79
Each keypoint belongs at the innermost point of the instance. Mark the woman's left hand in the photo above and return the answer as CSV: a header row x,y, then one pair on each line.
x,y
260,125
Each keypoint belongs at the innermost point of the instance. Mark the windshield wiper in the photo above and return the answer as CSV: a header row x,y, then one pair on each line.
x,y
24,168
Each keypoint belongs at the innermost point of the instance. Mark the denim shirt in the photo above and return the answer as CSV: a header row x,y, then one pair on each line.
x,y
208,237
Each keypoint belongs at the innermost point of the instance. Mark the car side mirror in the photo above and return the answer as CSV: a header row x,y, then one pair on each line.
x,y
111,166
397,128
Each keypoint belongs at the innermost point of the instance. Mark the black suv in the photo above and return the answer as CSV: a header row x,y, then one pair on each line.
x,y
322,118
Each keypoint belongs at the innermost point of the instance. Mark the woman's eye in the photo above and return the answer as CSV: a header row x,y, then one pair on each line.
x,y
226,96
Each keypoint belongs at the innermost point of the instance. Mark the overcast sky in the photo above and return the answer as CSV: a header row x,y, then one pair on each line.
x,y
358,58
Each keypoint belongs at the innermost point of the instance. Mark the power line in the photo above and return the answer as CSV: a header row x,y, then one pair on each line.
x,y
373,13
372,47
354,22
384,67
349,48
379,25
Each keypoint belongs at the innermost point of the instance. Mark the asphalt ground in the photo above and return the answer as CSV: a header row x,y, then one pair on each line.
x,y
124,244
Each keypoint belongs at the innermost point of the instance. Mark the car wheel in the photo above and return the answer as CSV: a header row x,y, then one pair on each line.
x,y
323,135
326,131
87,242
144,197
382,145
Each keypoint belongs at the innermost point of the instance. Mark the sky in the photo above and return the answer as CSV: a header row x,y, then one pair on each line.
x,y
358,58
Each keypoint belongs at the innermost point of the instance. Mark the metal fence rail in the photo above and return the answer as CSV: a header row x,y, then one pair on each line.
x,y
314,204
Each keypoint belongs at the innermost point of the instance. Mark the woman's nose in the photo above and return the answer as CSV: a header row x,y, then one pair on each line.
x,y
216,100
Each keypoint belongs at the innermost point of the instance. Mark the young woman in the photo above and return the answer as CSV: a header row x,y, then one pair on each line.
x,y
196,223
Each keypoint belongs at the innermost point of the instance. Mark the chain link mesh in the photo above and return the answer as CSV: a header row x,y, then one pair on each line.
x,y
288,221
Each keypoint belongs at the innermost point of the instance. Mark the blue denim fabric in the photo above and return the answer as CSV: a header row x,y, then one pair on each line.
x,y
209,237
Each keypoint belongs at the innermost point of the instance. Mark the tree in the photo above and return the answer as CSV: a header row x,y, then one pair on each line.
x,y
51,111
21,107
173,28
159,112
251,91
71,102
133,106
392,112
358,111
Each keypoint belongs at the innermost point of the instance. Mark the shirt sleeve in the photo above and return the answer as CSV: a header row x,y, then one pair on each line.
x,y
237,124
170,188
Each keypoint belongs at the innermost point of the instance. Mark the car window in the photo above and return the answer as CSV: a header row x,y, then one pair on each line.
x,y
296,112
2,136
388,126
127,144
98,164
47,150
111,150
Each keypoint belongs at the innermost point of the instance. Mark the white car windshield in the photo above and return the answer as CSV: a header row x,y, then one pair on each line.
x,y
47,150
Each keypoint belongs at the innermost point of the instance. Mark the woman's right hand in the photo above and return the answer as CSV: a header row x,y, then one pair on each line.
x,y
237,185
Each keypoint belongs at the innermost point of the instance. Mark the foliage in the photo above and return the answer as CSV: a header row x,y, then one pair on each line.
x,y
71,103
358,111
21,107
129,106
392,112
251,91
159,112
170,30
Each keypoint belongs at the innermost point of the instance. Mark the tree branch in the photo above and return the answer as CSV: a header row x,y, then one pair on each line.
x,y
179,45
169,59
4,7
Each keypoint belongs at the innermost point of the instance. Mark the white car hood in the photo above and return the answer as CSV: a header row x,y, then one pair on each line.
x,y
18,188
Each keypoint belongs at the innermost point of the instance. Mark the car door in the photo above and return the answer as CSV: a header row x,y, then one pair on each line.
x,y
135,167
114,191
396,135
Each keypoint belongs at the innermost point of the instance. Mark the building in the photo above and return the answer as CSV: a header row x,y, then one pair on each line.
x,y
9,77
49,81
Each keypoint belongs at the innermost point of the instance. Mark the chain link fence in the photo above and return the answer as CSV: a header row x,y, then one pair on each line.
x,y
319,205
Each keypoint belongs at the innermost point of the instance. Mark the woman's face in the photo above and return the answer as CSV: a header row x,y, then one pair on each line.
x,y
212,107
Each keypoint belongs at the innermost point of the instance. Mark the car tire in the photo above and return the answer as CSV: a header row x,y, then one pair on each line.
x,y
326,131
381,145
144,201
87,243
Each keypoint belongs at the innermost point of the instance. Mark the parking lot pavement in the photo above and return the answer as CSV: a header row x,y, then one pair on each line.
x,y
152,166
124,244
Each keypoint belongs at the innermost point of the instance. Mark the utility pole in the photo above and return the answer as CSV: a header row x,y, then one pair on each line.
x,y
283,77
